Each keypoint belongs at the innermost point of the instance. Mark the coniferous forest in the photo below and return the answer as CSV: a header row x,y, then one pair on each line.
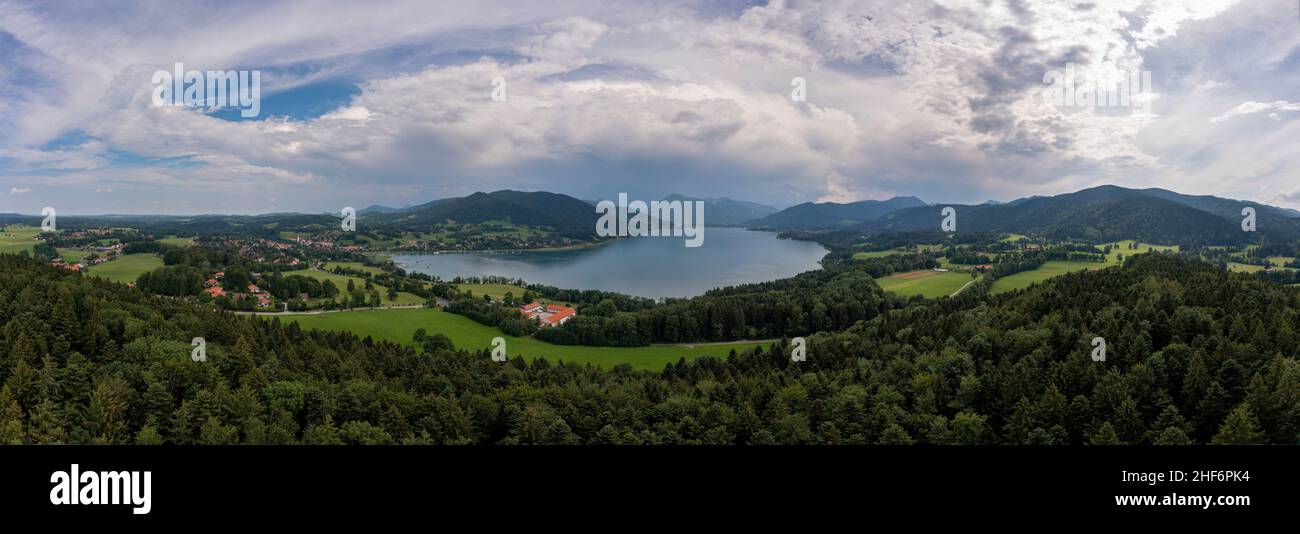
x,y
1195,355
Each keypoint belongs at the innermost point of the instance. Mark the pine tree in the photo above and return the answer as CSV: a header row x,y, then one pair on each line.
x,y
148,436
1239,428
105,415
322,434
11,419
1106,435
1171,435
46,425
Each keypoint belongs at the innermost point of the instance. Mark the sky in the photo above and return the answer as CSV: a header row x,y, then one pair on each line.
x,y
393,103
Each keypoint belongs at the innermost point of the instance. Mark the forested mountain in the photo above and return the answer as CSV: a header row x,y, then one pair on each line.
x,y
1223,207
376,208
567,215
725,211
1101,214
831,214
1195,355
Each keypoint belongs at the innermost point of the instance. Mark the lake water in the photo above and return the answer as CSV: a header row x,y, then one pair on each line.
x,y
644,266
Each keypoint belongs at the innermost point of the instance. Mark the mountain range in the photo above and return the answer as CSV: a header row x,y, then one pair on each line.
x,y
1105,213
811,215
565,214
727,212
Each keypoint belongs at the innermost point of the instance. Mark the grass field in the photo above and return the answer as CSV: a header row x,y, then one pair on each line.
x,y
1121,247
177,241
927,283
496,291
22,239
71,255
1243,267
399,325
341,281
1050,269
354,265
875,254
126,268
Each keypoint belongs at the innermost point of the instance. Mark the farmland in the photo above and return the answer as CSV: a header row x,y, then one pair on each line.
x,y
399,325
341,281
126,268
927,283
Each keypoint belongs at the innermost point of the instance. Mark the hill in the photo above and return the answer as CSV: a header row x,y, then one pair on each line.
x,y
726,212
564,214
1103,213
832,214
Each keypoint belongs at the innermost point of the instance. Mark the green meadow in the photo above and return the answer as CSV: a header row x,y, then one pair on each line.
x,y
177,241
1050,269
20,241
927,283
399,325
341,281
495,291
126,268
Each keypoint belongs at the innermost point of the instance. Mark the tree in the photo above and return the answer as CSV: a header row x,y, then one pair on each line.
x,y
148,436
11,419
46,424
1106,435
970,429
105,416
324,433
1239,428
1172,436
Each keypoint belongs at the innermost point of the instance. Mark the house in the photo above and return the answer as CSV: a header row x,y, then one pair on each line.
x,y
252,288
219,275
215,292
211,282
263,301
940,270
548,314
303,296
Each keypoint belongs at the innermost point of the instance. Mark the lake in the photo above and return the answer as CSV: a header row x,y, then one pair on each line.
x,y
643,266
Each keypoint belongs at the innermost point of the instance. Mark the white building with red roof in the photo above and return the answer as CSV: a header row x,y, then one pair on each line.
x,y
548,314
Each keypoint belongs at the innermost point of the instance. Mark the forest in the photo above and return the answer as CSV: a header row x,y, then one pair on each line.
x,y
1195,355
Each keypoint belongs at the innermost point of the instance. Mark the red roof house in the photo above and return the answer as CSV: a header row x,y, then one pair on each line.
x,y
549,314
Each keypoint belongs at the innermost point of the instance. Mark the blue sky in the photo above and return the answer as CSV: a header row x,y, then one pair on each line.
x,y
391,103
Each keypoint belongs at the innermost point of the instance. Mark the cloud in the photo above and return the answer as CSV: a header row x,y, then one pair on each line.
x,y
938,99
19,190
1248,108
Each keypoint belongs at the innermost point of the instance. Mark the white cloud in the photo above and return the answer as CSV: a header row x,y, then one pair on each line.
x,y
1248,108
939,99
